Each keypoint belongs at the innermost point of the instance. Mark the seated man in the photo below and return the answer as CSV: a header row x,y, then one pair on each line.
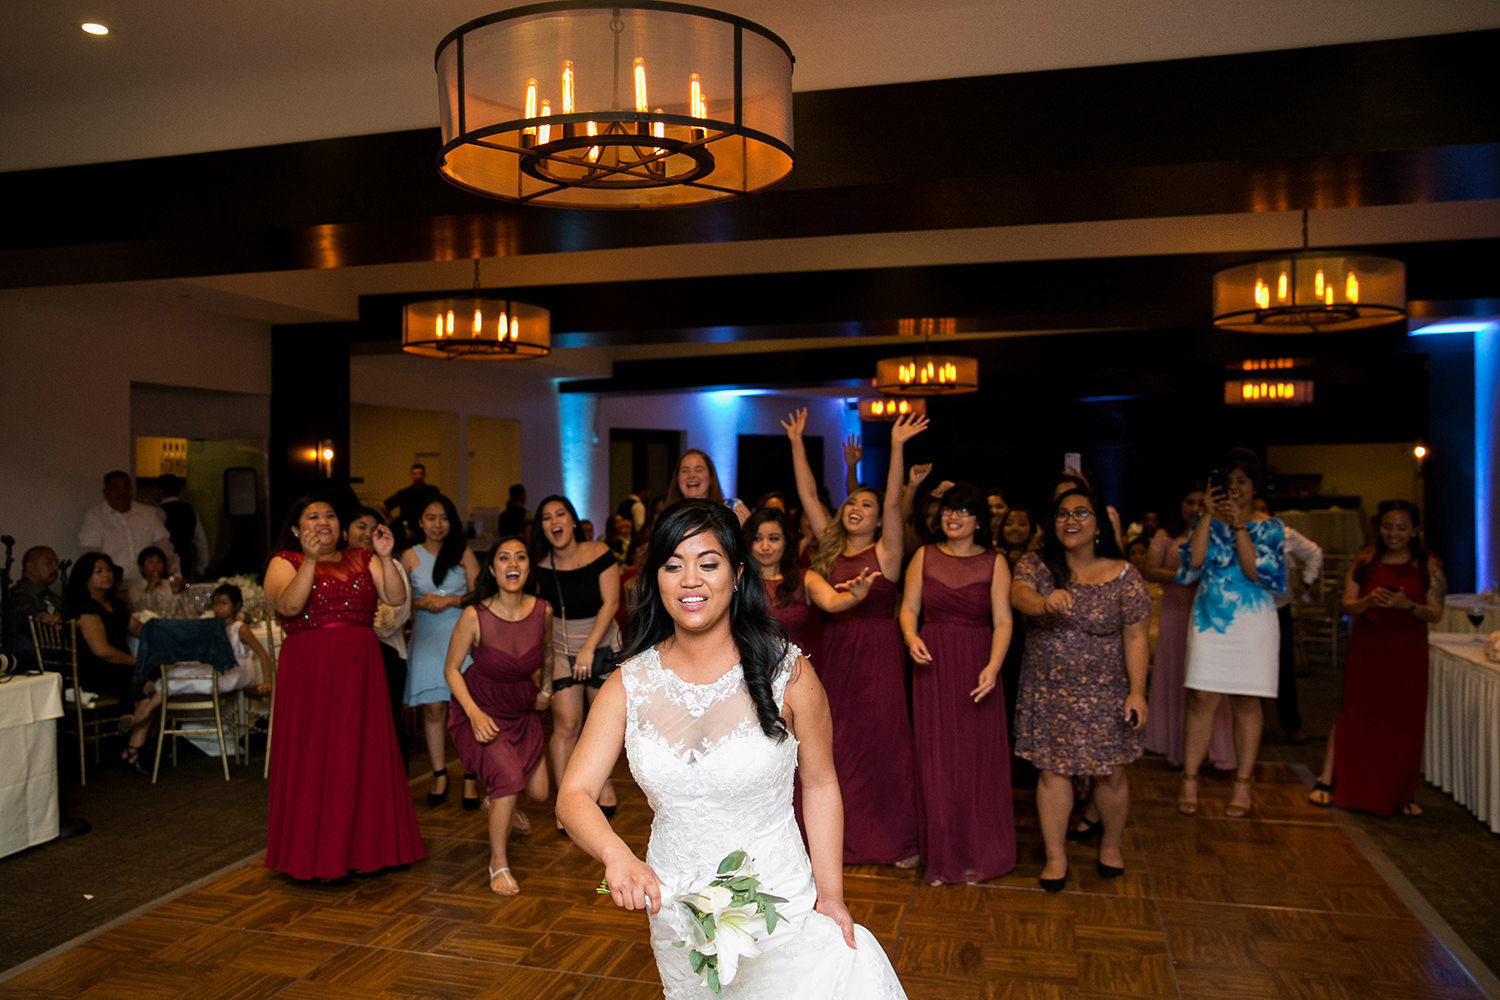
x,y
32,597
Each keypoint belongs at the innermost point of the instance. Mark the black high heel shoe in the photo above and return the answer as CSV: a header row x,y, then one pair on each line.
x,y
1108,871
1088,831
434,798
1053,884
469,804
131,761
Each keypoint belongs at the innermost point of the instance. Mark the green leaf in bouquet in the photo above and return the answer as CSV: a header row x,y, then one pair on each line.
x,y
695,962
732,862
713,981
706,921
742,883
770,914
770,898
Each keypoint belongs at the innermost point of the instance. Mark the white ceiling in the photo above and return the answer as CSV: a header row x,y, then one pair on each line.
x,y
183,77
176,77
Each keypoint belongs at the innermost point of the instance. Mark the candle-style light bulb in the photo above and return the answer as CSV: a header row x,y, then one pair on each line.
x,y
530,130
449,324
545,132
641,104
1318,285
1281,287
437,325
515,328
478,320
1262,294
1351,289
567,87
500,328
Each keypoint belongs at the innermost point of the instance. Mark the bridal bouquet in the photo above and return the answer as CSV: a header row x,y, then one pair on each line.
x,y
723,922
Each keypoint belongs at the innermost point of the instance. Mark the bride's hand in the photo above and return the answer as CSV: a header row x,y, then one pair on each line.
x,y
839,914
633,885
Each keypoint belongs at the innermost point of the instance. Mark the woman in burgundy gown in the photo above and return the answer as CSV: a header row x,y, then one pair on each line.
x,y
961,590
494,715
1394,589
863,659
339,801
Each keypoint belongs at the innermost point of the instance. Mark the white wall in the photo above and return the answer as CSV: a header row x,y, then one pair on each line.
x,y
68,357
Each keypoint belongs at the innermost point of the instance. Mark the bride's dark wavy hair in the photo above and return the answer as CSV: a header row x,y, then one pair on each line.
x,y
758,637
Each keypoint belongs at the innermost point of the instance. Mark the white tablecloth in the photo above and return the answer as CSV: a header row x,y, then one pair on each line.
x,y
1461,754
1456,615
29,707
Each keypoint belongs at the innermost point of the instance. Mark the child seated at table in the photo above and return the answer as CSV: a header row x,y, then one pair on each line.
x,y
252,663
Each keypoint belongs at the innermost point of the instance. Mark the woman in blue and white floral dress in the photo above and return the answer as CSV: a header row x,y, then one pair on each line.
x,y
1235,554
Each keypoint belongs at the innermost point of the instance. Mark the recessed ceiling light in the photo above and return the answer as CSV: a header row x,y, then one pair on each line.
x,y
94,28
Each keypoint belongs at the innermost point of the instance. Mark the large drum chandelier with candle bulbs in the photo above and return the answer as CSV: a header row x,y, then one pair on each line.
x,y
586,105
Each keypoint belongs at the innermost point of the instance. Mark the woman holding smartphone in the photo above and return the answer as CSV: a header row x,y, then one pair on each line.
x,y
1235,554
1393,590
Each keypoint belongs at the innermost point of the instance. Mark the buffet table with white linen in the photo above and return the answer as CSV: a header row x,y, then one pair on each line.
x,y
29,708
1461,753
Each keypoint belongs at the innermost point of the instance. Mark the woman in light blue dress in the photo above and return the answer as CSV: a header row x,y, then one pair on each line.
x,y
1235,554
442,571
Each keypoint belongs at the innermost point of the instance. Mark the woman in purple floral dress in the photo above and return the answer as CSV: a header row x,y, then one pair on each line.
x,y
1082,702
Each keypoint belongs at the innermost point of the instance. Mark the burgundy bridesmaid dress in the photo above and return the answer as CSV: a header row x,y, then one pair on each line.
x,y
339,801
862,670
499,681
967,821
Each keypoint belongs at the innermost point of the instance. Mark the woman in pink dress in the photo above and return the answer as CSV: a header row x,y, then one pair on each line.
x,y
864,661
339,802
961,591
1169,670
494,716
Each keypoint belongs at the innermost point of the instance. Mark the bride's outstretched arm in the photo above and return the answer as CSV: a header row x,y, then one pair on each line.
x,y
806,709
632,883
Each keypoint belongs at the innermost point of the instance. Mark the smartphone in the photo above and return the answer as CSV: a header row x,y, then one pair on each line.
x,y
1073,463
1216,479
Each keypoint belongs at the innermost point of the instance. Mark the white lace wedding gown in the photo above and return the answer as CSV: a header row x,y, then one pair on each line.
x,y
718,784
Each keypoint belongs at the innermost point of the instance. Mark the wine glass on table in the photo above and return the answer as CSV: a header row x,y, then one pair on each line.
x,y
1476,618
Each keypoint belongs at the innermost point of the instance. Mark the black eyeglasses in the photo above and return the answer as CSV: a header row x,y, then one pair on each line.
x,y
1079,514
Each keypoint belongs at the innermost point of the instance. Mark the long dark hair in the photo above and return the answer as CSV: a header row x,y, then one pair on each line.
x,y
485,585
1053,554
761,643
288,542
76,593
451,552
1365,564
791,571
674,491
1174,523
541,545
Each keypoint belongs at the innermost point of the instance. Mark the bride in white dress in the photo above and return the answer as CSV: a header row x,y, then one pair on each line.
x,y
717,715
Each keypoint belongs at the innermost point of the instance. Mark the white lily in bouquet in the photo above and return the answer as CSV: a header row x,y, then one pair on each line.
x,y
724,921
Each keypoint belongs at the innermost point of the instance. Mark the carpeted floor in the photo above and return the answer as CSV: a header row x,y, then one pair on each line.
x,y
148,841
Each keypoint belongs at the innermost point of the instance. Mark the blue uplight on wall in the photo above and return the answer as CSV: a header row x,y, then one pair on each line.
x,y
720,434
1486,439
576,441
1453,326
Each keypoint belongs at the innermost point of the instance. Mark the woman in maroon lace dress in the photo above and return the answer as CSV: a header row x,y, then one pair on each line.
x,y
494,715
961,590
1083,678
339,802
1393,591
864,661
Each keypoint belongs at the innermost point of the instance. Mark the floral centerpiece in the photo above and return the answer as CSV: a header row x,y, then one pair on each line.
x,y
722,922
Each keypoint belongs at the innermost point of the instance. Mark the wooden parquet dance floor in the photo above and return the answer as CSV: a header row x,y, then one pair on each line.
x,y
1278,904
